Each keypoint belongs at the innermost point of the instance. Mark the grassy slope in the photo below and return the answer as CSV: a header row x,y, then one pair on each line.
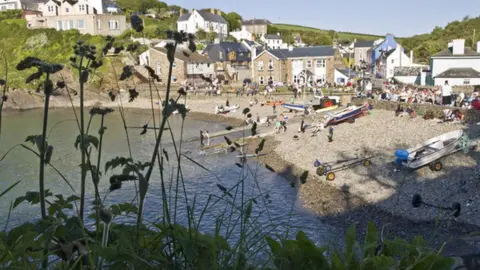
x,y
340,35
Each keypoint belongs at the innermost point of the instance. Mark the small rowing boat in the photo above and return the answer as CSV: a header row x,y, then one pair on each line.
x,y
250,155
430,151
220,109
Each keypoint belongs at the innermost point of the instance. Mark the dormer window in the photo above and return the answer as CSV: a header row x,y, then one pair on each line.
x,y
81,8
67,10
50,9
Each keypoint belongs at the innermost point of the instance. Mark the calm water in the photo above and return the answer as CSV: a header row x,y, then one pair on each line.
x,y
282,205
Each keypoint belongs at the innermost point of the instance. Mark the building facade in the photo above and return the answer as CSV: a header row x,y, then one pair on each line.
x,y
232,59
309,64
273,42
21,4
458,64
379,50
82,16
361,48
202,20
190,67
242,34
256,26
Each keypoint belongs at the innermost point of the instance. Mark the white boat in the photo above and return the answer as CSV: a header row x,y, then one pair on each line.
x,y
344,115
225,109
429,152
250,155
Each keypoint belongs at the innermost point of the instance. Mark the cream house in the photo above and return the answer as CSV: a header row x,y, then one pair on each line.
x,y
86,16
21,4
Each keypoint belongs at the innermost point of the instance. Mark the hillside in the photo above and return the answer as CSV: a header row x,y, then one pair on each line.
x,y
426,45
340,36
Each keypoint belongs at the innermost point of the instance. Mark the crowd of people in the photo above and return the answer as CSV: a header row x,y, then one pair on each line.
x,y
442,95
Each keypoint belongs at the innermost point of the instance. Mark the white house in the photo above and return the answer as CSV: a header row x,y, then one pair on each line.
x,y
274,42
458,64
396,58
242,34
21,4
207,21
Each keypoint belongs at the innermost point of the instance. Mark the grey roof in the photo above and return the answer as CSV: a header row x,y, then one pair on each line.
x,y
251,43
459,73
272,36
242,52
448,53
207,16
256,22
388,53
316,51
347,72
363,44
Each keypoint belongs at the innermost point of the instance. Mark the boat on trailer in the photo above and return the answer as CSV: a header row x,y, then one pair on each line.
x,y
349,113
431,151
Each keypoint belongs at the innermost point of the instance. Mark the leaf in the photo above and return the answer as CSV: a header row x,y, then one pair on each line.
x,y
116,162
89,139
275,247
33,197
10,188
371,240
248,211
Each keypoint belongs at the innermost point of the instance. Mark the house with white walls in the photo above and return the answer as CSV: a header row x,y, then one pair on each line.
x,y
86,16
242,34
21,4
458,64
203,20
273,42
344,75
396,58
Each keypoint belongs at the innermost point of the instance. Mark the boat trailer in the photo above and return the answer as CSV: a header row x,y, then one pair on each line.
x,y
329,169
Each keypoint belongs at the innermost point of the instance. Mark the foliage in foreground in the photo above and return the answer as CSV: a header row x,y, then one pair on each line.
x,y
61,239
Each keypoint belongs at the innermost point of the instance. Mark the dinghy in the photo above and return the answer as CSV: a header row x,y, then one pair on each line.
x,y
430,151
220,109
345,114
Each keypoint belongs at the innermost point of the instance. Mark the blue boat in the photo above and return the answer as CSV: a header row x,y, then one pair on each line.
x,y
345,114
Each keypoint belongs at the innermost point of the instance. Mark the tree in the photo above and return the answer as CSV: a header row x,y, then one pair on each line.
x,y
211,36
201,34
234,20
272,29
140,5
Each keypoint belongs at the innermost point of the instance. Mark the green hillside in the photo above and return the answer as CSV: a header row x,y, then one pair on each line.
x,y
426,45
341,36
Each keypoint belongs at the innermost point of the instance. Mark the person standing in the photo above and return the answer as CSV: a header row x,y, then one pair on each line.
x,y
274,107
446,94
201,137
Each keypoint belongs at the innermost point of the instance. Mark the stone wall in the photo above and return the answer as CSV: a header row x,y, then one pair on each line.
x,y
471,115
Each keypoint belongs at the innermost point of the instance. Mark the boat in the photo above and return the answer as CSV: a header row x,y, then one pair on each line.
x,y
429,152
295,107
220,109
276,103
250,155
177,112
327,109
348,113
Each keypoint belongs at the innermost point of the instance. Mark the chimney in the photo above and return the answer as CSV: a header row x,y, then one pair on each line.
x,y
254,52
219,12
290,48
411,57
478,46
212,10
278,34
334,44
458,46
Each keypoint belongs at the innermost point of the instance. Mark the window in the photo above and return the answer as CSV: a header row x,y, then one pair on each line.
x,y
270,65
466,82
220,54
174,65
50,8
113,24
3,8
81,24
59,25
309,63
261,80
320,63
174,78
67,10
260,65
393,61
71,24
99,24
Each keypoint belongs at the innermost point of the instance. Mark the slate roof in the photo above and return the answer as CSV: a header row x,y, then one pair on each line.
x,y
251,43
213,51
459,73
364,44
272,36
345,72
387,54
316,51
193,58
207,16
448,53
256,22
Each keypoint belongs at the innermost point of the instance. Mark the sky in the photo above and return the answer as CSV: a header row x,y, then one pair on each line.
x,y
400,18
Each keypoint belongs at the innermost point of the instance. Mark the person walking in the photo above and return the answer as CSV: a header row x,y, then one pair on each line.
x,y
446,94
274,107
